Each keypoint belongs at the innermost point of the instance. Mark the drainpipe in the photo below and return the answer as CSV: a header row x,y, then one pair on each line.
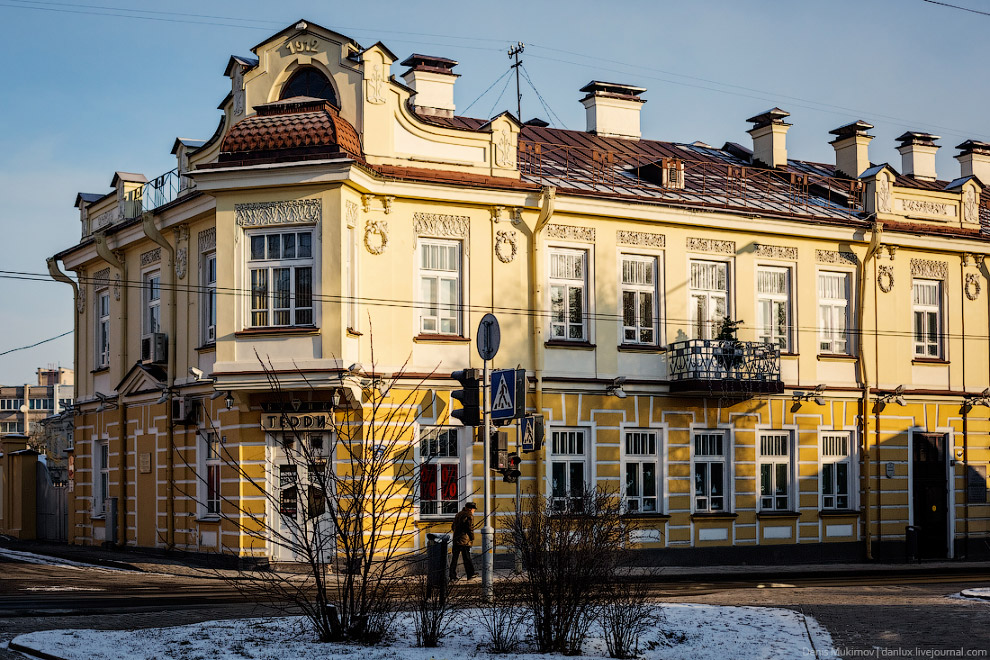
x,y
547,199
168,284
107,255
864,417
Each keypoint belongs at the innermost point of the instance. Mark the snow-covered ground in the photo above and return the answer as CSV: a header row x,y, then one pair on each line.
x,y
983,593
32,558
707,633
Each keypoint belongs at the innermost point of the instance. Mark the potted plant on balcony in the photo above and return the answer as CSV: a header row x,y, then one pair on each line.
x,y
728,351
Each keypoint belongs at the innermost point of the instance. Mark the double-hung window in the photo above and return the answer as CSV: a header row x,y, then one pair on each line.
x,y
642,470
281,265
212,474
927,307
568,462
710,471
440,287
833,313
836,473
152,303
209,298
709,297
102,487
568,294
639,299
773,292
439,471
102,329
775,471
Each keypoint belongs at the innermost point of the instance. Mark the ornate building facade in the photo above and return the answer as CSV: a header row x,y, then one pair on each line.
x,y
343,214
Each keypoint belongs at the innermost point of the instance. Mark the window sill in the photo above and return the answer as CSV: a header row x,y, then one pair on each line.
x,y
935,361
641,348
836,357
278,332
449,339
770,515
715,515
838,513
790,355
646,516
207,348
211,518
444,519
102,516
575,345
100,370
351,332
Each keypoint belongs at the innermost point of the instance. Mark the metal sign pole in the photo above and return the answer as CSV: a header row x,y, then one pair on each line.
x,y
487,532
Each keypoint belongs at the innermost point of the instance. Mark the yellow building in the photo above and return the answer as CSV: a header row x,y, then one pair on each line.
x,y
343,213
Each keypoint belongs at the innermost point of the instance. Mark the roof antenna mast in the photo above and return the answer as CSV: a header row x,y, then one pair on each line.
x,y
514,51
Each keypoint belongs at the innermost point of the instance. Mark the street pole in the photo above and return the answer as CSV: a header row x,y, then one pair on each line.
x,y
487,532
514,52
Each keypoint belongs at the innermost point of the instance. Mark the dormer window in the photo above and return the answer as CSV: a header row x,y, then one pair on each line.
x,y
308,81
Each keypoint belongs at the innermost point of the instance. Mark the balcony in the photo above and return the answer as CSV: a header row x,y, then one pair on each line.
x,y
724,367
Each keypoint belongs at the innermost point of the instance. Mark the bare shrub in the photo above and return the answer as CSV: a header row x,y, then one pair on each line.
x,y
502,617
571,548
434,604
627,611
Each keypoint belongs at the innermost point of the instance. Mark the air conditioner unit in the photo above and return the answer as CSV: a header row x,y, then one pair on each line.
x,y
154,348
185,410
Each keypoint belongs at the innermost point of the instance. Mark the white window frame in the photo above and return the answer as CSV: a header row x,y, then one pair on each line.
x,y
773,334
210,484
828,442
429,440
102,343
636,454
833,340
702,457
568,448
562,326
101,481
352,264
634,333
151,316
926,345
434,313
708,327
771,465
294,314
209,298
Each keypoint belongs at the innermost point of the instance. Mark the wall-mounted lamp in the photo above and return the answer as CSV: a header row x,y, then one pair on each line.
x,y
105,402
615,389
166,393
335,399
817,395
229,400
897,396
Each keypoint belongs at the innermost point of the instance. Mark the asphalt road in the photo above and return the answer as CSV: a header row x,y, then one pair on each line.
x,y
882,614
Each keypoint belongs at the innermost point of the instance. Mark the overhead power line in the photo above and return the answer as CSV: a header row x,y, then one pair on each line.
x,y
946,4
39,343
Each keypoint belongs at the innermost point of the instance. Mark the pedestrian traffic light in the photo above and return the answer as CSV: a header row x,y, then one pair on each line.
x,y
470,396
498,448
510,474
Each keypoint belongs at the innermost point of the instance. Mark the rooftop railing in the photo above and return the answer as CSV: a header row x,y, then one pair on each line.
x,y
724,366
162,190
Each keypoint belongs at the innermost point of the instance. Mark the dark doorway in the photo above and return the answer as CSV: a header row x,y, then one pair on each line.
x,y
930,495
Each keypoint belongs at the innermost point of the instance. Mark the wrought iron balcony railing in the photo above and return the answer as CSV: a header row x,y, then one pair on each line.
x,y
734,368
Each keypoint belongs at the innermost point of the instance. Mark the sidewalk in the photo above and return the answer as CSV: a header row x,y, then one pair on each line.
x,y
205,566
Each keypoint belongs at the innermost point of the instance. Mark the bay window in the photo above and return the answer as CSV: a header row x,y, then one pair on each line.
x,y
281,267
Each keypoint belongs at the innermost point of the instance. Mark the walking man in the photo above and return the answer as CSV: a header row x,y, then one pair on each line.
x,y
463,530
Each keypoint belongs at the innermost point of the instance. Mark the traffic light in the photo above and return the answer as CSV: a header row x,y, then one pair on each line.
x,y
510,474
470,396
499,450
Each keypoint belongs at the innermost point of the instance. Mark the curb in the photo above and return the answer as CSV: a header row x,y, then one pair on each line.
x,y
34,653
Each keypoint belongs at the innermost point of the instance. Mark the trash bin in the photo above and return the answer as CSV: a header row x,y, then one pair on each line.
x,y
911,542
436,560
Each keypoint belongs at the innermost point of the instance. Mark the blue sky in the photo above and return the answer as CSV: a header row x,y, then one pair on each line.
x,y
94,86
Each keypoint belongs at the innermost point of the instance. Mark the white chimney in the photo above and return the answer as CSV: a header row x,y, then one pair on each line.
x,y
769,137
612,110
432,78
852,148
974,160
918,155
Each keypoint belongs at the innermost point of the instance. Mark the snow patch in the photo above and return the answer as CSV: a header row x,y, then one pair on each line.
x,y
44,560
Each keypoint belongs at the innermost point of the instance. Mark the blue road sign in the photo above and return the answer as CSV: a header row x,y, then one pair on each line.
x,y
508,393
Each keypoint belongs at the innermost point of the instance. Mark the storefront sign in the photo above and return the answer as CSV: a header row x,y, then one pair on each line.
x,y
293,421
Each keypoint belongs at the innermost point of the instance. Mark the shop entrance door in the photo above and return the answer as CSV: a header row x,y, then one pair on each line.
x,y
930,495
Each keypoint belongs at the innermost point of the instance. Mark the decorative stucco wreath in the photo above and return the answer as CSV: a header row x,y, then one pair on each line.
x,y
376,228
885,279
972,286
505,240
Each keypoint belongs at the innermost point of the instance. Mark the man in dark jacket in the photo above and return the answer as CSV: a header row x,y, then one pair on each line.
x,y
463,529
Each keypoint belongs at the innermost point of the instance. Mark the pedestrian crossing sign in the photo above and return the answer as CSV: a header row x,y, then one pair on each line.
x,y
508,398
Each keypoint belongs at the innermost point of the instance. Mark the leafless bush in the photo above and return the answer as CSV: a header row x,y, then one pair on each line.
x,y
434,604
627,611
571,548
502,617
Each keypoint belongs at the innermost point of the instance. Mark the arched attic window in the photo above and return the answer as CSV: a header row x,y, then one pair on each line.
x,y
308,81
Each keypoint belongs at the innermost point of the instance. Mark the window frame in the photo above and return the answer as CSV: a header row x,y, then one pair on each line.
x,y
269,265
708,329
424,305
352,265
826,332
459,462
775,461
849,459
637,290
209,298
151,302
657,459
926,343
568,460
101,474
569,283
102,344
788,300
724,459
210,483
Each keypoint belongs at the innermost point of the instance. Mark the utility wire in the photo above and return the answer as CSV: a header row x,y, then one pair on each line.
x,y
546,106
398,303
491,113
946,4
507,72
43,341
